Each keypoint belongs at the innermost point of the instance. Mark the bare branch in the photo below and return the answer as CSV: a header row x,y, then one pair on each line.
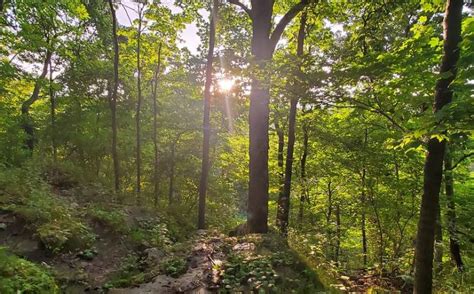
x,y
242,5
280,27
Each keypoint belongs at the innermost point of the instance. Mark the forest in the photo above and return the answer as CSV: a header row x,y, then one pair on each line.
x,y
236,146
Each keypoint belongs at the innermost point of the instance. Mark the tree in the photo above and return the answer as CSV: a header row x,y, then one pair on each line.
x,y
284,199
433,168
206,125
263,45
113,99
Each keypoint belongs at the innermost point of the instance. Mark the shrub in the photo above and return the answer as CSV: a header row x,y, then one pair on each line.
x,y
21,276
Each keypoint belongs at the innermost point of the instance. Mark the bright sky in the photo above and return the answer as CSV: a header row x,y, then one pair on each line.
x,y
188,35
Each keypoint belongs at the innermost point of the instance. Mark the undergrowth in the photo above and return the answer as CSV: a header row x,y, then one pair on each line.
x,y
21,276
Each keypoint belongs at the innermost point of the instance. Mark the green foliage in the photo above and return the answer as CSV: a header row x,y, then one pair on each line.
x,y
21,276
130,273
57,223
174,267
255,272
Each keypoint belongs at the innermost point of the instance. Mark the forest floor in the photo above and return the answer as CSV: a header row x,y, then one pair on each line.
x,y
89,243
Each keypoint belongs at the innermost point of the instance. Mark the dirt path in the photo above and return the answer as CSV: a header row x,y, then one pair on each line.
x,y
199,277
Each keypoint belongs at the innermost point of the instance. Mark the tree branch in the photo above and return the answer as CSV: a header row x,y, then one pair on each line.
x,y
280,27
465,156
242,5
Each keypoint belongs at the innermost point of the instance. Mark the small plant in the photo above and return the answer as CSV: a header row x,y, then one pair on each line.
x,y
174,267
255,272
21,276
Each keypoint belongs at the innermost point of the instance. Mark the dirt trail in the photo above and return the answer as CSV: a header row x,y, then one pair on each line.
x,y
199,277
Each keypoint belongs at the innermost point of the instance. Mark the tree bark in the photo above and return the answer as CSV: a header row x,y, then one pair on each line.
x,y
27,124
171,175
263,44
363,199
435,152
454,247
113,100
138,159
438,256
281,163
53,112
304,194
155,126
283,212
206,125
338,233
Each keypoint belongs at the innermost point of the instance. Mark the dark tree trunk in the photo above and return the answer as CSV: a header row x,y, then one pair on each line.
x,y
283,212
363,220
263,45
155,126
433,169
338,233
304,194
363,205
281,166
53,112
27,124
454,247
206,125
113,100
138,159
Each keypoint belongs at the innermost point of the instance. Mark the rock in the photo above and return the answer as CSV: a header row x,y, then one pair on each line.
x,y
153,255
244,247
3,226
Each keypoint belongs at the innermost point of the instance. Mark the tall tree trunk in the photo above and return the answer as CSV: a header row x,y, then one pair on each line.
x,y
27,123
280,157
363,220
113,100
454,247
433,169
206,124
263,44
438,256
304,194
283,212
363,199
138,159
53,112
171,174
155,126
338,233
328,219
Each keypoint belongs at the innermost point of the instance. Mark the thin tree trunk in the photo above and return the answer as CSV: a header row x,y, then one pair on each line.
x,y
280,157
363,220
113,100
328,218
138,159
304,194
454,247
338,233
27,124
53,112
363,205
155,126
171,175
438,257
433,169
206,120
283,213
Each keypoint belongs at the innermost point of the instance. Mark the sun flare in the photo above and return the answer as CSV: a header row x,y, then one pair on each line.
x,y
225,85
